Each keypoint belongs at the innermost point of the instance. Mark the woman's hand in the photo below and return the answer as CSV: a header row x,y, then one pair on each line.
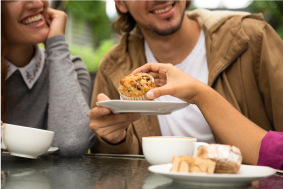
x,y
229,125
170,80
57,21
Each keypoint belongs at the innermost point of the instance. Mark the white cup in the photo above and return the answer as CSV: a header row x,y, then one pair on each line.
x,y
162,149
25,141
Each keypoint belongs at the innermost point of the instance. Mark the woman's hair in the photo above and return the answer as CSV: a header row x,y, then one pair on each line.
x,y
3,65
125,23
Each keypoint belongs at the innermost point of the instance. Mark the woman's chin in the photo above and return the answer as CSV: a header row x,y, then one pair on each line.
x,y
41,36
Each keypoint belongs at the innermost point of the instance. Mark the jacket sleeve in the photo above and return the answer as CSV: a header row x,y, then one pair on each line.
x,y
130,145
270,76
271,151
69,91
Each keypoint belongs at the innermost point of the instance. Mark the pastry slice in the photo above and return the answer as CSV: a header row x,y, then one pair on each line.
x,y
228,158
192,165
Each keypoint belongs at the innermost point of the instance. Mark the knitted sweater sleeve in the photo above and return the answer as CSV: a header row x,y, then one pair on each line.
x,y
69,91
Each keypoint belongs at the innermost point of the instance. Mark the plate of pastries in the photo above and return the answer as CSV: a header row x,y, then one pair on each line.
x,y
213,165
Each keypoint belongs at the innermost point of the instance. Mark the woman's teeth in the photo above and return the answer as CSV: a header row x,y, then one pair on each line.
x,y
163,10
32,20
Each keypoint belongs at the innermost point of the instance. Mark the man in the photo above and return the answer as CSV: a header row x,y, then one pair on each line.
x,y
237,54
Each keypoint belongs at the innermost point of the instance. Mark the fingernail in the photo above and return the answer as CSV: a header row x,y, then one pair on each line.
x,y
150,95
136,116
105,111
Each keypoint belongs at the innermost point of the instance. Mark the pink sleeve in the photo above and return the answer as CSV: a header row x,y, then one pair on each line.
x,y
271,150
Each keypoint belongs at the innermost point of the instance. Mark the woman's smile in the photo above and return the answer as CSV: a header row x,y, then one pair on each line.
x,y
34,20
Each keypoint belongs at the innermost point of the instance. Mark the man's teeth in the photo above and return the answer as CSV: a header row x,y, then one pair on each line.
x,y
32,20
163,10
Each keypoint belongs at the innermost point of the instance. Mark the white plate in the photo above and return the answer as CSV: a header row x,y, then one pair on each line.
x,y
246,175
52,149
142,107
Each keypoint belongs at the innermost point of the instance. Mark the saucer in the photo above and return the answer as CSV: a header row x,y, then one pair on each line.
x,y
52,150
245,176
142,107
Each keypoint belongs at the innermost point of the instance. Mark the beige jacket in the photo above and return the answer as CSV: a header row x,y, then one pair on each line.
x,y
245,63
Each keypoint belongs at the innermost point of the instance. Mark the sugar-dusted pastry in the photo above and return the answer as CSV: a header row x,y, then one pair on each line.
x,y
192,165
135,86
228,158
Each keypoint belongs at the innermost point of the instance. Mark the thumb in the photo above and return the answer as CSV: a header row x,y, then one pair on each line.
x,y
157,92
102,97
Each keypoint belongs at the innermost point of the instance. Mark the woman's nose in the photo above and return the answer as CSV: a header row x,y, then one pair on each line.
x,y
34,5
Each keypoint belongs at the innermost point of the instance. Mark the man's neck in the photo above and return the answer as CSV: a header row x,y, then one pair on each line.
x,y
176,47
20,55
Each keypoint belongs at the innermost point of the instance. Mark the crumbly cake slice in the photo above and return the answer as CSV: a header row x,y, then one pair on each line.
x,y
228,158
192,165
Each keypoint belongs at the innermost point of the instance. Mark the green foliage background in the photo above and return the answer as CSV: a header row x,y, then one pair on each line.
x,y
94,12
272,11
91,57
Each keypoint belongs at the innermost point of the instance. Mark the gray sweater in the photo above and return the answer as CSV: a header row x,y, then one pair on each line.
x,y
58,101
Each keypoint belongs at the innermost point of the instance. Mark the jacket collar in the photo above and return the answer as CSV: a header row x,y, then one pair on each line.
x,y
225,37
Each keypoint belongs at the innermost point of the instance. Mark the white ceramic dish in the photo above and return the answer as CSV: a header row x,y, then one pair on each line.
x,y
142,107
161,149
25,141
246,175
51,150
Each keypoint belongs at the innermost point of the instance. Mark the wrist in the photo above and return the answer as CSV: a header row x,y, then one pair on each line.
x,y
203,91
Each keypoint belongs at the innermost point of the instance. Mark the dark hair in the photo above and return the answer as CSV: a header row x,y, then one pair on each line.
x,y
3,65
125,23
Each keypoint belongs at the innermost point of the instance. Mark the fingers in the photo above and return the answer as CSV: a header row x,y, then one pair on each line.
x,y
153,67
57,22
157,92
111,127
98,112
115,133
102,97
114,119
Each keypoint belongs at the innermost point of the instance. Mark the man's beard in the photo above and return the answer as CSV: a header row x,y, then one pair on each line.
x,y
164,32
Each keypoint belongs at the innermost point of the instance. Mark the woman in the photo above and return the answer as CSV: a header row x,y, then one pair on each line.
x,y
43,89
257,145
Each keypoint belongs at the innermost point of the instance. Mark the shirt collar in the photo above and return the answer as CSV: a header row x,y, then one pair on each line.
x,y
32,70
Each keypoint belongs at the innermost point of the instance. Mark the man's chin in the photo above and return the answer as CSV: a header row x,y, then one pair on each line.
x,y
166,32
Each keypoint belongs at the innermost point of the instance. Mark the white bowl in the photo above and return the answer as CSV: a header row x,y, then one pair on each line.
x,y
25,141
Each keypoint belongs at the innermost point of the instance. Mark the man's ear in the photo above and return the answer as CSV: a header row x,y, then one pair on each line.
x,y
121,6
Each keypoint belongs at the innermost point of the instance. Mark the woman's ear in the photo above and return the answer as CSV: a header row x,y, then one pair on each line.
x,y
121,6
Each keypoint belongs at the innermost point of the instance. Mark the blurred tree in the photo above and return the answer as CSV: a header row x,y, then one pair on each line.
x,y
272,11
94,12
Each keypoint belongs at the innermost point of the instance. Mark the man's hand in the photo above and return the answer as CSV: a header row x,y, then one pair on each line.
x,y
57,21
111,127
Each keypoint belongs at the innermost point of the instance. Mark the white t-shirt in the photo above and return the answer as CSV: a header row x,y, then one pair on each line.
x,y
188,121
